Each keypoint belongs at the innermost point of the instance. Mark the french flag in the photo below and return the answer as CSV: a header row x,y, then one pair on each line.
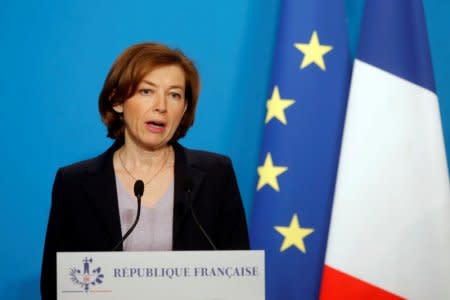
x,y
390,228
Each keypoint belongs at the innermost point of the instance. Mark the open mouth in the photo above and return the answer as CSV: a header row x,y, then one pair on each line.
x,y
155,124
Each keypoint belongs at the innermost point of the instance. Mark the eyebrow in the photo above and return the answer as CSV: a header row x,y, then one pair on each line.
x,y
171,87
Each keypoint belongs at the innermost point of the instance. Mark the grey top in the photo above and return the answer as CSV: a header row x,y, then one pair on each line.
x,y
154,229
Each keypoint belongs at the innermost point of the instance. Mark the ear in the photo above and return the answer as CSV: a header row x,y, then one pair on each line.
x,y
118,108
185,107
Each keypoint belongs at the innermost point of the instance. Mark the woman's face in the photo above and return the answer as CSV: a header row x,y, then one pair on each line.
x,y
153,113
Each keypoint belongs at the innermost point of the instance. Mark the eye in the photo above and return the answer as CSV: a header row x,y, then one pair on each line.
x,y
145,92
175,95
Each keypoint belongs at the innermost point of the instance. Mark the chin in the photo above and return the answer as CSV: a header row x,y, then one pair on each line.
x,y
154,144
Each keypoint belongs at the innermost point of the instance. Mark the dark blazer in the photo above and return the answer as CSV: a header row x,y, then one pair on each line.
x,y
84,214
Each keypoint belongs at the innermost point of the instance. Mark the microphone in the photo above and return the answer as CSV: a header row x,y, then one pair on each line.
x,y
188,189
138,192
139,188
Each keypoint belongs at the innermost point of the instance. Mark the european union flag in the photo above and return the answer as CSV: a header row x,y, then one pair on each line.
x,y
302,136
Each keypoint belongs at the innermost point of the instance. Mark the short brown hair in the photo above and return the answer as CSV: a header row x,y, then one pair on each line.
x,y
128,71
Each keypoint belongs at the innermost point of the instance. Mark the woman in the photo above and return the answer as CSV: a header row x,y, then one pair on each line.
x,y
191,199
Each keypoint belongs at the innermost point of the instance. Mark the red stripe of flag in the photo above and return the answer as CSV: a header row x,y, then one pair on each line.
x,y
337,285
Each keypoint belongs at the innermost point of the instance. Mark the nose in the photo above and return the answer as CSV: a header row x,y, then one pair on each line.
x,y
160,104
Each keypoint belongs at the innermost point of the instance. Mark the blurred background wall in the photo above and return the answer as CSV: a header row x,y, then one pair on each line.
x,y
56,54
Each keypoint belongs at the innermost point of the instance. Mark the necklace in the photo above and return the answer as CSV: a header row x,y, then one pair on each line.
x,y
153,177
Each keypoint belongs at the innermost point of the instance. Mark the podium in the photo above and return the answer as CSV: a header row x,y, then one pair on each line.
x,y
173,275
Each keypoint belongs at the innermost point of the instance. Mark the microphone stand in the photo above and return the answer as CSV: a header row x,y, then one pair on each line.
x,y
138,192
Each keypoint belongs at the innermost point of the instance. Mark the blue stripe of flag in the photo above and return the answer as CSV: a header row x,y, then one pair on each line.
x,y
399,40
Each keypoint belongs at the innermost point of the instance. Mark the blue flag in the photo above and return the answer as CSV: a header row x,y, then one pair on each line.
x,y
302,136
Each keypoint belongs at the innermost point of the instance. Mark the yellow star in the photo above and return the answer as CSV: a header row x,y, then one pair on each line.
x,y
276,107
313,52
268,174
294,235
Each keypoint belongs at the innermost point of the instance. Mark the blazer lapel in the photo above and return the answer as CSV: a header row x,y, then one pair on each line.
x,y
185,176
100,185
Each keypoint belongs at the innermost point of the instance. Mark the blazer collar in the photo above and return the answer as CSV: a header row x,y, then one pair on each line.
x,y
187,176
101,188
